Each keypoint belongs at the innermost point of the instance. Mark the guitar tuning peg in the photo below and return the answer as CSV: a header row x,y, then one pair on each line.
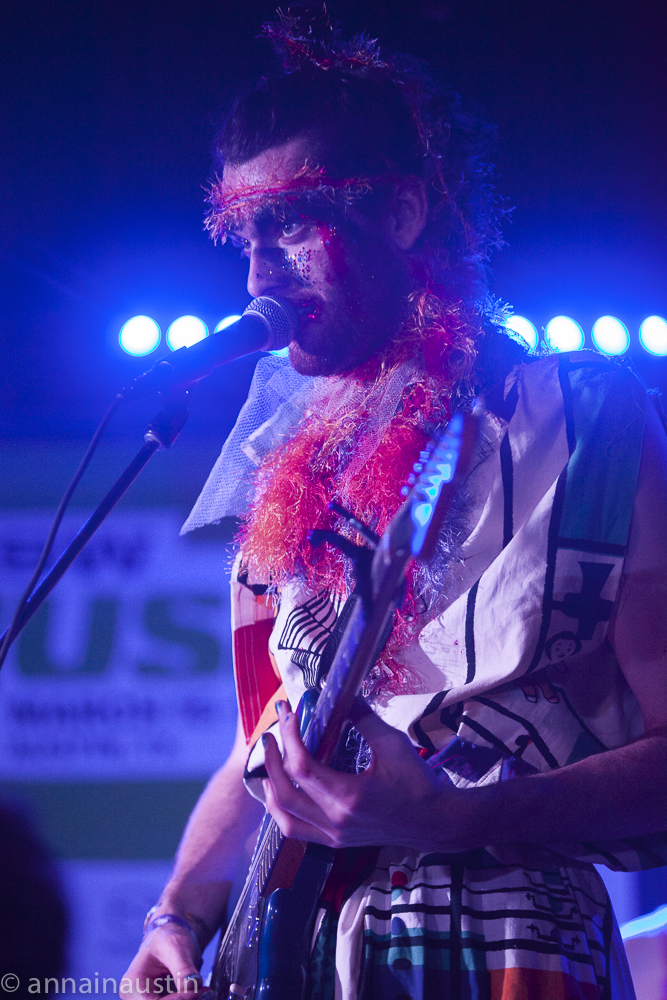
x,y
425,455
405,490
412,479
417,467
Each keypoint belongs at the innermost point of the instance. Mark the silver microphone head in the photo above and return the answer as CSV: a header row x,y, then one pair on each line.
x,y
279,318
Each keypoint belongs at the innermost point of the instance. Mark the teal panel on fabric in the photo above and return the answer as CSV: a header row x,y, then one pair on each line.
x,y
473,952
430,950
607,414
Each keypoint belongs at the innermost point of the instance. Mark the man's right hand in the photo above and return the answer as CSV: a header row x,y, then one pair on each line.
x,y
168,962
206,862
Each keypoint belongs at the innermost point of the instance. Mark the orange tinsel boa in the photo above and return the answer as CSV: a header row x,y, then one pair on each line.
x,y
296,482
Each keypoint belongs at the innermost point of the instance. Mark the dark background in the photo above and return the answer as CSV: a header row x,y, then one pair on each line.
x,y
107,120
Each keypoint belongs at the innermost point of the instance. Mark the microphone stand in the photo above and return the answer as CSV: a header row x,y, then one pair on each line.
x,y
160,434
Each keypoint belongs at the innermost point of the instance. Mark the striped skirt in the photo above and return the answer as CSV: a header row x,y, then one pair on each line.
x,y
463,927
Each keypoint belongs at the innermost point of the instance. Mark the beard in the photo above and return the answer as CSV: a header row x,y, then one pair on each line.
x,y
340,330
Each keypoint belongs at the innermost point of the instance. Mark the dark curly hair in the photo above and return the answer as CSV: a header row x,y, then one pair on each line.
x,y
365,113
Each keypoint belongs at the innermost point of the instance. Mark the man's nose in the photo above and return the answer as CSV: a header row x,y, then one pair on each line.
x,y
267,273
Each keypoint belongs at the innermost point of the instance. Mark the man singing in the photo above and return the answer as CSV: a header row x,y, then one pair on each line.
x,y
519,724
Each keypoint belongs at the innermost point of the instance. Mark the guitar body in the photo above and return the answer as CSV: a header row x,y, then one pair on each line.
x,y
287,929
266,947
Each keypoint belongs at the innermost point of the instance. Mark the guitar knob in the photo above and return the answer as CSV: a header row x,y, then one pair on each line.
x,y
236,991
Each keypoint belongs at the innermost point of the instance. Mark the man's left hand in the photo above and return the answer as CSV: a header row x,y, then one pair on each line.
x,y
398,800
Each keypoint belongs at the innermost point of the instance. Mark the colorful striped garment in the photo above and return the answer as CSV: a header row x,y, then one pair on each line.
x,y
514,677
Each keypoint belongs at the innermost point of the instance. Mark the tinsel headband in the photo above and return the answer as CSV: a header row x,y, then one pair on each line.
x,y
300,43
312,40
231,208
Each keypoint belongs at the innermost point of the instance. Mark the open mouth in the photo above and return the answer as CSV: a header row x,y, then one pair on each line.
x,y
308,310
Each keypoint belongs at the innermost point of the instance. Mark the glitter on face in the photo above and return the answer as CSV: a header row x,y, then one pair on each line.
x,y
299,263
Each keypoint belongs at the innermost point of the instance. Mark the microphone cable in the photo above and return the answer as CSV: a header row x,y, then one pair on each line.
x,y
11,633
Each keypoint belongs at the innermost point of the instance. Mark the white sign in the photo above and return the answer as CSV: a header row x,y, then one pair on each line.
x,y
125,672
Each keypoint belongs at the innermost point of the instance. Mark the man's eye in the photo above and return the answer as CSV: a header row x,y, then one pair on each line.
x,y
238,243
291,229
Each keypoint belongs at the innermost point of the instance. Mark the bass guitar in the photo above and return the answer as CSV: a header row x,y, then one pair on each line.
x,y
264,952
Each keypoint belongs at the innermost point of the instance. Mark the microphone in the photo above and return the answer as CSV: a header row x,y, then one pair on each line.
x,y
268,324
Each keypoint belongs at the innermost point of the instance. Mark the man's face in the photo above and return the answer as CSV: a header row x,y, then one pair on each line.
x,y
337,267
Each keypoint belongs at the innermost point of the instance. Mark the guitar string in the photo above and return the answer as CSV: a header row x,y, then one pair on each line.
x,y
253,878
267,851
268,846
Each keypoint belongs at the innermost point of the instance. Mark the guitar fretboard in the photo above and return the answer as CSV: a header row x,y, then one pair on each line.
x,y
335,679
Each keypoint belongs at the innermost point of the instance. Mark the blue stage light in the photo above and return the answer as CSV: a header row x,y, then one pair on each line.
x,y
653,335
224,323
649,922
563,334
186,331
139,336
610,335
521,329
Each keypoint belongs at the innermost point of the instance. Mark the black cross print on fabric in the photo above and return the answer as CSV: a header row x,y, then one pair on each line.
x,y
588,607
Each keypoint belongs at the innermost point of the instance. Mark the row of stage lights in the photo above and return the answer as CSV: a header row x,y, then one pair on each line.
x,y
141,335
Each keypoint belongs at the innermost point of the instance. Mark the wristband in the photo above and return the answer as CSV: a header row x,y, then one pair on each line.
x,y
188,921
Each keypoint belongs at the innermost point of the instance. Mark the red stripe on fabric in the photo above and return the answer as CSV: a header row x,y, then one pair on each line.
x,y
529,984
255,677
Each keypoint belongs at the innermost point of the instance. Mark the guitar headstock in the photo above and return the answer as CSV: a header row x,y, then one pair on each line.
x,y
437,474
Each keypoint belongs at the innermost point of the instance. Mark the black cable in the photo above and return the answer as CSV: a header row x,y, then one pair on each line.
x,y
48,544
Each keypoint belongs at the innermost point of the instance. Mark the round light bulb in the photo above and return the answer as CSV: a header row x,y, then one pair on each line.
x,y
186,331
224,323
562,333
521,329
610,335
139,336
653,335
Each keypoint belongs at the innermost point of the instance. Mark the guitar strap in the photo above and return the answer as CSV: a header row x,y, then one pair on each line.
x,y
333,642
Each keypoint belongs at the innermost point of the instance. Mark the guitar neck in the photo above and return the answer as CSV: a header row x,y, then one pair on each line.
x,y
412,532
355,656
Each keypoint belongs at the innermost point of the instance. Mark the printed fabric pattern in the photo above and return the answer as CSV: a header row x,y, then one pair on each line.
x,y
514,677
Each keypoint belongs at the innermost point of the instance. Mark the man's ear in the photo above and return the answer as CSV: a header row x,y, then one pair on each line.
x,y
409,212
